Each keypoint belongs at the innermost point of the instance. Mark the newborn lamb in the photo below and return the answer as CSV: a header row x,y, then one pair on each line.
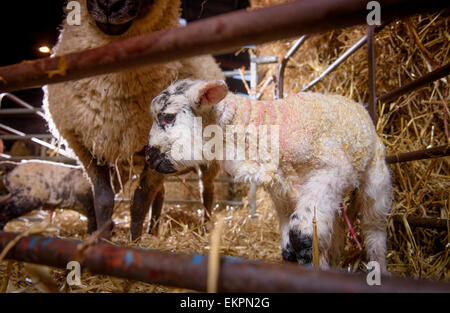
x,y
322,147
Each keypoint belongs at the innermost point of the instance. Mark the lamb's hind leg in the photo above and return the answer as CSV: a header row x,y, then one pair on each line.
x,y
150,185
375,198
321,193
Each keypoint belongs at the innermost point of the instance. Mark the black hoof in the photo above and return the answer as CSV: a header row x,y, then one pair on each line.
x,y
302,245
288,254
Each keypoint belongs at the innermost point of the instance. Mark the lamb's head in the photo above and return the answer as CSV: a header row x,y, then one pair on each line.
x,y
179,113
114,17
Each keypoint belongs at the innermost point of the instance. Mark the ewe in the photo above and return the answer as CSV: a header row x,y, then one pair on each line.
x,y
105,119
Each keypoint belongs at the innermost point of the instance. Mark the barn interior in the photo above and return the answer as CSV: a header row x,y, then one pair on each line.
x,y
405,50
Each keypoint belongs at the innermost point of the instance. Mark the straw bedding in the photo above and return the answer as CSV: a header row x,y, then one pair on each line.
x,y
404,51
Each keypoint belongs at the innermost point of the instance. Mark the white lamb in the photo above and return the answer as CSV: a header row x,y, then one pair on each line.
x,y
105,119
328,147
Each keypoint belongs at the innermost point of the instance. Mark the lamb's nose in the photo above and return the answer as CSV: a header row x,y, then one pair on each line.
x,y
111,6
153,156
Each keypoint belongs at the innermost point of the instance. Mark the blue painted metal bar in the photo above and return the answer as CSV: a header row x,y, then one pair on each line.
x,y
190,271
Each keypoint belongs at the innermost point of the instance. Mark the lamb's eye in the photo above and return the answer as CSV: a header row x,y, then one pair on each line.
x,y
166,119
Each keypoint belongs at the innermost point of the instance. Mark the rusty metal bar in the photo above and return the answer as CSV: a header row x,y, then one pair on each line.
x,y
437,152
425,222
282,67
190,271
372,73
218,34
415,84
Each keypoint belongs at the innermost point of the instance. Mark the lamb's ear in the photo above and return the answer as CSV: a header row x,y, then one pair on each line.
x,y
206,94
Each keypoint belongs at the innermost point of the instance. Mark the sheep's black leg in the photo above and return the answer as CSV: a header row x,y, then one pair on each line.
x,y
100,179
302,246
288,253
149,185
103,197
87,201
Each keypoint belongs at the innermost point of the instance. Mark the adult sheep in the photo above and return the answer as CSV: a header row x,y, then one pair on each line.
x,y
105,119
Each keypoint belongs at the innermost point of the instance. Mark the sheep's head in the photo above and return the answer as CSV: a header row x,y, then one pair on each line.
x,y
114,17
175,142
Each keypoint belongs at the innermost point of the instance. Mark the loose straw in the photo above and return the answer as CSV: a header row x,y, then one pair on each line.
x,y
316,261
214,258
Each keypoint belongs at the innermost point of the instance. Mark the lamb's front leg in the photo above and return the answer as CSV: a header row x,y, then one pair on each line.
x,y
284,206
208,174
321,193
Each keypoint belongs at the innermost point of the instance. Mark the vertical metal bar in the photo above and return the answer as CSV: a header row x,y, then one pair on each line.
x,y
253,77
372,108
253,86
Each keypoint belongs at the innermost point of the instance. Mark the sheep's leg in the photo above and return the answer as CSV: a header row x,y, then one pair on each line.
x,y
321,196
103,196
375,198
17,206
207,177
100,179
156,211
337,242
87,201
283,209
149,186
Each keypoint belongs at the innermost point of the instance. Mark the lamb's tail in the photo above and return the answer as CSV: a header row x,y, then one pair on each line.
x,y
7,166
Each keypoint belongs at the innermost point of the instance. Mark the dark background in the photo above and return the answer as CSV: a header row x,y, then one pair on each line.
x,y
27,25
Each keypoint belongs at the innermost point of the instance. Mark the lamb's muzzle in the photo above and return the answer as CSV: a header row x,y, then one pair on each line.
x,y
158,161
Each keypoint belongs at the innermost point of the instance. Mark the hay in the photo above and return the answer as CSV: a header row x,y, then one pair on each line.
x,y
405,50
181,230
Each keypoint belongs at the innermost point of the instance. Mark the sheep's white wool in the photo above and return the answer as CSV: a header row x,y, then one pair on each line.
x,y
108,114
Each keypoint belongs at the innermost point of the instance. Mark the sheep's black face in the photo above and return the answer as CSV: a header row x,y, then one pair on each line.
x,y
114,17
